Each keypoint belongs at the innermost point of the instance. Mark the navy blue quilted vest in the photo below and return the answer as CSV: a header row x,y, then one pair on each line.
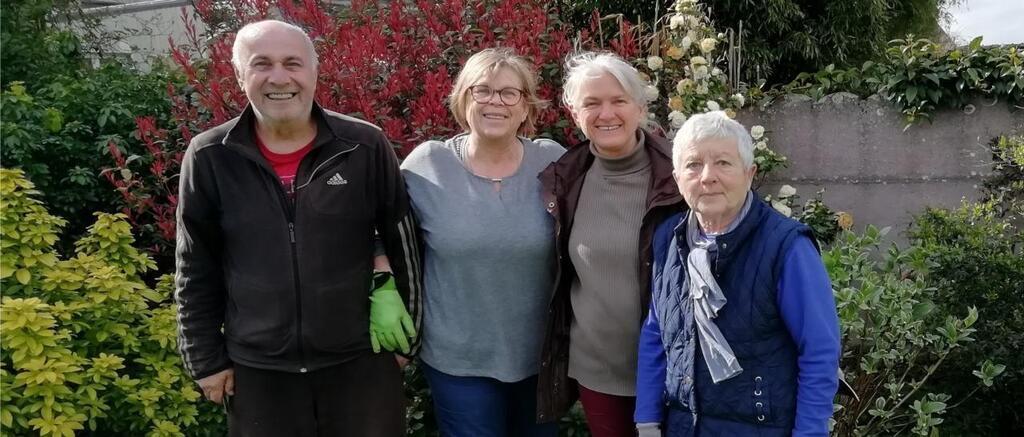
x,y
760,401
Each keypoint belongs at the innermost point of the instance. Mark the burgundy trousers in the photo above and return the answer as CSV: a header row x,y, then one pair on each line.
x,y
608,415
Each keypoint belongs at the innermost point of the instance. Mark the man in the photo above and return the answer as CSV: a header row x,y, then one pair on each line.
x,y
277,217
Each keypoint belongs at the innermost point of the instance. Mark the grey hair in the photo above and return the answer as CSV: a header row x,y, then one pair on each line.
x,y
714,124
588,65
253,30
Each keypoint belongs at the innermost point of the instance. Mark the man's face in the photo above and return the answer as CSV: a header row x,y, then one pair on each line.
x,y
277,72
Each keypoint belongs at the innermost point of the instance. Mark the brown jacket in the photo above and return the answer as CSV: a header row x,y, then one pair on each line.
x,y
561,184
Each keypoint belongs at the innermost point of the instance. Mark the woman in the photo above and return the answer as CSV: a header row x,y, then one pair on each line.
x,y
747,285
606,195
488,251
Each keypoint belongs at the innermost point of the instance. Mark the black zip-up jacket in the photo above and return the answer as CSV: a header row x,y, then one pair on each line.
x,y
561,184
287,281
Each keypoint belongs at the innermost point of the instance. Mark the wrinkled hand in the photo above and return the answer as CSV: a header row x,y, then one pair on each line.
x,y
390,323
215,386
648,430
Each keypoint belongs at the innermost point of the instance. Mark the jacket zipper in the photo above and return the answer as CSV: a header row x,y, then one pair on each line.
x,y
295,255
289,213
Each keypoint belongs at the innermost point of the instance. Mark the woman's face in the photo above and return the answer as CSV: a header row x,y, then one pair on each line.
x,y
607,115
488,113
714,181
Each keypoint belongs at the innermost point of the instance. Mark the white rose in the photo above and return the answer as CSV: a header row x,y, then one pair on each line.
x,y
677,21
692,34
721,35
757,132
655,62
683,85
713,106
786,191
676,119
651,92
761,145
700,72
740,100
707,45
686,43
716,72
694,21
702,89
782,208
698,60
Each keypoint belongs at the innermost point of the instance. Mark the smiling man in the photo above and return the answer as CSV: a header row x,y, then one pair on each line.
x,y
277,215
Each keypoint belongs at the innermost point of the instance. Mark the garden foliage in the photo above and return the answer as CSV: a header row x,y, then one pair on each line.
x,y
920,77
59,115
977,258
896,337
87,345
392,64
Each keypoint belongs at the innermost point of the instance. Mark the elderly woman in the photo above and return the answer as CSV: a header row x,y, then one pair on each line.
x,y
489,256
742,336
606,196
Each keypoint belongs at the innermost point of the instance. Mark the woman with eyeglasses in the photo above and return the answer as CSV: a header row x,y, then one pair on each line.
x,y
488,251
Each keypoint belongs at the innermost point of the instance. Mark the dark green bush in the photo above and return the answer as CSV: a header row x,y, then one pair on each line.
x,y
977,259
58,132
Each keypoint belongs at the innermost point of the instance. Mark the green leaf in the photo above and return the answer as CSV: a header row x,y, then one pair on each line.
x,y
972,316
922,309
976,43
911,94
23,276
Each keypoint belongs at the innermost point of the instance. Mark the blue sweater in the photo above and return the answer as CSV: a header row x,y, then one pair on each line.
x,y
807,308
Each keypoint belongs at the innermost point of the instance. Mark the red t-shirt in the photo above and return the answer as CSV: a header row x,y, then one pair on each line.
x,y
286,165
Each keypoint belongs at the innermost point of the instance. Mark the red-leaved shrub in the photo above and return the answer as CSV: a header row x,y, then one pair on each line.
x,y
390,63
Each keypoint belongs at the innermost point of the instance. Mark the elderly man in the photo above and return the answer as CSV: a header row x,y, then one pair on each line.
x,y
742,337
279,306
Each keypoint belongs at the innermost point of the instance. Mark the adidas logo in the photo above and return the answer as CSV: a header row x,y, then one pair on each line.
x,y
336,180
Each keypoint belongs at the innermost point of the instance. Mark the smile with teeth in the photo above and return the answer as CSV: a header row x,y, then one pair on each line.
x,y
609,128
280,96
496,116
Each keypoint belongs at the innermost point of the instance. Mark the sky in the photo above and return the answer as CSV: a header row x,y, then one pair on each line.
x,y
999,21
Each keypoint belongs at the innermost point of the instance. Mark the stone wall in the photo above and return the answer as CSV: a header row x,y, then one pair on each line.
x,y
870,166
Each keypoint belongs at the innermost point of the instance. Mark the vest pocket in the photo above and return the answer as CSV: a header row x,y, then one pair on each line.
x,y
761,401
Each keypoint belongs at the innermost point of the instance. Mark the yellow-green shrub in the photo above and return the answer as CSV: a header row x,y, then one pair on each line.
x,y
85,344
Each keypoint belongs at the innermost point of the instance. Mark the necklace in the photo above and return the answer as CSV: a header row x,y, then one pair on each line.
x,y
462,152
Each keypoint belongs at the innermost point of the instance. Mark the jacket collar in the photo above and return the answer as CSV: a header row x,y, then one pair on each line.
x,y
727,243
663,191
241,136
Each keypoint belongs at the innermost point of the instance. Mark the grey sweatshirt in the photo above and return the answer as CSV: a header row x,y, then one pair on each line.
x,y
488,261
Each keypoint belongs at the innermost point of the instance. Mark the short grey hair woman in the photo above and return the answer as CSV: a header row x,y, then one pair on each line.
x,y
765,360
488,251
605,195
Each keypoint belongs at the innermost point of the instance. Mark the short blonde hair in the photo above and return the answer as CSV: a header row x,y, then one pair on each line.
x,y
485,63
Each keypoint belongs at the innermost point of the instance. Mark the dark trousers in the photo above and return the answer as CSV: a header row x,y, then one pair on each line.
x,y
362,397
608,415
470,406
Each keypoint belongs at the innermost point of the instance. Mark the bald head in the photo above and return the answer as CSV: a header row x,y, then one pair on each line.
x,y
252,32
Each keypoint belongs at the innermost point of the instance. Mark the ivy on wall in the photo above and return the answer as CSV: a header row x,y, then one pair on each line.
x,y
920,77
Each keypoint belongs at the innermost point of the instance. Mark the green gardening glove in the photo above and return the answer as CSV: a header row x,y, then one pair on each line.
x,y
390,323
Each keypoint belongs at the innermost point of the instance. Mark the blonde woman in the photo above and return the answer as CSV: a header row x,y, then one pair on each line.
x,y
489,251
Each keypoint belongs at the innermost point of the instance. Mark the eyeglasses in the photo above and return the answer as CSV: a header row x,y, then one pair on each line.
x,y
482,94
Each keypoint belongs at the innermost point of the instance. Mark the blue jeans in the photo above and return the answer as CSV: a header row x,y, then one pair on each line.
x,y
471,406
